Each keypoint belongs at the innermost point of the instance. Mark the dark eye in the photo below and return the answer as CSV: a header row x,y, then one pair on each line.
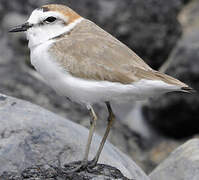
x,y
50,19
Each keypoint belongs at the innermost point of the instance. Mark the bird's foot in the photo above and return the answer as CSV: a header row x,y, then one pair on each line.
x,y
91,165
78,166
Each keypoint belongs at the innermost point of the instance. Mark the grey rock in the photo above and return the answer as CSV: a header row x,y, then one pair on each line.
x,y
47,172
182,119
31,135
183,163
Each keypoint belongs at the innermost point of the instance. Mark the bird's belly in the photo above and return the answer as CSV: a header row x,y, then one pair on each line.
x,y
91,91
77,89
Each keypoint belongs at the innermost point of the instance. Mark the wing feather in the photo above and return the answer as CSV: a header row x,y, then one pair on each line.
x,y
92,53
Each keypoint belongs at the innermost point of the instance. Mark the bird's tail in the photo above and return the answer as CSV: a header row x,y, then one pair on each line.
x,y
188,89
170,80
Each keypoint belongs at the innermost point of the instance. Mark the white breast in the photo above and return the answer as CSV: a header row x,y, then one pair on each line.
x,y
88,91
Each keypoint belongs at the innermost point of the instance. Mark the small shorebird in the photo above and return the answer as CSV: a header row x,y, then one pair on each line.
x,y
81,61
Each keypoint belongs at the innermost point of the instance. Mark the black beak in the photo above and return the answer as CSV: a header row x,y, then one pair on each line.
x,y
21,28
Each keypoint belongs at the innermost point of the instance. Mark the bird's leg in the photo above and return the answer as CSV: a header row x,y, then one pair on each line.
x,y
84,162
93,121
111,119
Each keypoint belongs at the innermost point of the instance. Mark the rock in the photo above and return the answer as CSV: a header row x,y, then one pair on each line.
x,y
160,150
101,172
182,119
183,163
31,135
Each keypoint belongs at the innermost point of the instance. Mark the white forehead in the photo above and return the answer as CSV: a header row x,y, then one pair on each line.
x,y
38,15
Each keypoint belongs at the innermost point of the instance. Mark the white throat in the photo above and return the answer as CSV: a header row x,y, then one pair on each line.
x,y
40,34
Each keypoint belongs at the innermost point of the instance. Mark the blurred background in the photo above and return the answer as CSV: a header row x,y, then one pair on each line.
x,y
164,33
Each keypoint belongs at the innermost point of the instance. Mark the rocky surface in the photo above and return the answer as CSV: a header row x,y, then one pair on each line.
x,y
31,135
37,144
183,163
176,114
101,172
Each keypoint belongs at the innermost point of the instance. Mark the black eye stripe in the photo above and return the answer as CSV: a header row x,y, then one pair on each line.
x,y
50,19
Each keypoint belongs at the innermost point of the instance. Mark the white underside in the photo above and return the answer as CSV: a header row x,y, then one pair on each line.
x,y
88,91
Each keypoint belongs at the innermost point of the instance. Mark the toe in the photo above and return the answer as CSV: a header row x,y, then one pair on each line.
x,y
76,168
92,163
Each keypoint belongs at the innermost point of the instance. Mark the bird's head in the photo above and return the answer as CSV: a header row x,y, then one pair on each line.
x,y
48,22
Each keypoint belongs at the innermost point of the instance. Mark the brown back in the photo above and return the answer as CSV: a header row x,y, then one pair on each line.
x,y
91,53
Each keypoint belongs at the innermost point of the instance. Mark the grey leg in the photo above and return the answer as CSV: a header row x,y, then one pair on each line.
x,y
111,119
91,132
85,162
